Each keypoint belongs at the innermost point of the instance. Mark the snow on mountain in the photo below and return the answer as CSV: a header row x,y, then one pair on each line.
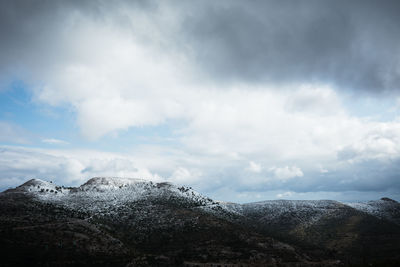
x,y
110,183
284,206
310,211
38,186
385,208
148,216
107,194
299,212
232,207
165,223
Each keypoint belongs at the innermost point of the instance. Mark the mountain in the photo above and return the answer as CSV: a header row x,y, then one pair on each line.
x,y
346,231
134,222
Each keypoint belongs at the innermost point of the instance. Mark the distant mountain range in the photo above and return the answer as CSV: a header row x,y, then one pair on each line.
x,y
134,222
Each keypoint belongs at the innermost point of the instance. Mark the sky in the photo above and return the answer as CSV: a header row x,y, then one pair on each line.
x,y
241,100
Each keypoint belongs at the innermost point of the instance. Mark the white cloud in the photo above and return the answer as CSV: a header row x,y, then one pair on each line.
x,y
184,176
254,167
286,173
118,78
112,81
284,195
66,167
380,142
312,99
115,80
220,178
53,141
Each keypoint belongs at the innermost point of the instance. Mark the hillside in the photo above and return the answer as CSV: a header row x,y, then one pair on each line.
x,y
134,222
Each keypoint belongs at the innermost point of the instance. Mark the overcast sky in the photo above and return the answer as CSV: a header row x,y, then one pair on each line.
x,y
242,100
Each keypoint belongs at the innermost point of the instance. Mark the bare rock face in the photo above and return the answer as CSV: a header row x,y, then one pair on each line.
x,y
134,222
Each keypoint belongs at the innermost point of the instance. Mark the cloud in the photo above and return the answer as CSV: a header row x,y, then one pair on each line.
x,y
53,141
254,167
321,100
350,44
221,179
118,68
285,194
18,164
381,142
287,172
21,164
243,88
221,131
185,177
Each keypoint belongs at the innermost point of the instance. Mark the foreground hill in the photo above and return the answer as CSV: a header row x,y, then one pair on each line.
x,y
133,222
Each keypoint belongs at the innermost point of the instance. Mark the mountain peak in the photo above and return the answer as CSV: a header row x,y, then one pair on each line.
x,y
113,180
33,182
35,185
110,183
388,199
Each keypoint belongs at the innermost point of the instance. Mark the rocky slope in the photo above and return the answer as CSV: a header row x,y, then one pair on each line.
x,y
133,222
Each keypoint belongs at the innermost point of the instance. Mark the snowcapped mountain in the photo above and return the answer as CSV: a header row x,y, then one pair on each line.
x,y
133,221
103,193
306,210
106,194
35,186
385,208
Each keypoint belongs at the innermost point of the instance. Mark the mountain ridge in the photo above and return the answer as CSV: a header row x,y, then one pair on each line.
x,y
102,184
164,224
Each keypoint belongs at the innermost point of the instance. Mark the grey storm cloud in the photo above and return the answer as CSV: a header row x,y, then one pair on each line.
x,y
36,33
351,44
